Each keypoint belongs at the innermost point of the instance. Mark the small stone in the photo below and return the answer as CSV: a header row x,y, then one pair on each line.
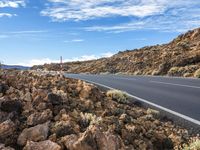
x,y
41,106
2,147
28,97
44,145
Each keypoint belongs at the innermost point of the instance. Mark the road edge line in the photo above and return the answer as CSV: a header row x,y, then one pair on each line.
x,y
152,104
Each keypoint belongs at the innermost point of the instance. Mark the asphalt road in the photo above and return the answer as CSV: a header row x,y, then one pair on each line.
x,y
179,95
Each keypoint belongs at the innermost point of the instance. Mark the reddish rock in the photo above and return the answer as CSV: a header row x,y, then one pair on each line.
x,y
11,106
3,147
93,139
7,128
44,145
39,117
36,133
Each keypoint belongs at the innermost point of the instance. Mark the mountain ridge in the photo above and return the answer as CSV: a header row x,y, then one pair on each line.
x,y
180,57
3,66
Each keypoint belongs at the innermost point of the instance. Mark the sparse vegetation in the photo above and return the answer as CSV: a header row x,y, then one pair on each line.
x,y
187,75
153,112
197,73
90,119
174,71
155,72
184,45
195,145
118,95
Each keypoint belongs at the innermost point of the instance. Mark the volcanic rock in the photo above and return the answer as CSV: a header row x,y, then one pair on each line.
x,y
39,117
7,128
3,88
54,99
63,113
3,147
36,133
11,106
93,139
44,145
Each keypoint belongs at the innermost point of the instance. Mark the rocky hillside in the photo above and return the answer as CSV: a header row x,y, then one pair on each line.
x,y
41,111
181,57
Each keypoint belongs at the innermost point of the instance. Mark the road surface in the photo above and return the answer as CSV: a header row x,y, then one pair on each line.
x,y
180,96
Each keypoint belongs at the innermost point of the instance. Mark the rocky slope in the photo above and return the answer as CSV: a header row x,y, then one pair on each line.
x,y
41,111
181,57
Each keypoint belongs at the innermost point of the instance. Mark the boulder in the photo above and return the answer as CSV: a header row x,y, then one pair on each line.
x,y
62,128
39,117
43,145
4,116
11,105
93,139
36,133
3,88
3,147
54,99
6,129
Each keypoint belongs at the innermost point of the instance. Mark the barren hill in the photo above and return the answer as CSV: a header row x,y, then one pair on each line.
x,y
180,57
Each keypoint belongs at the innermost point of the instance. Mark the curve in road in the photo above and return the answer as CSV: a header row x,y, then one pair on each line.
x,y
178,96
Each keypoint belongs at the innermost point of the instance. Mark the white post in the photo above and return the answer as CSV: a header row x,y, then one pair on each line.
x,y
61,65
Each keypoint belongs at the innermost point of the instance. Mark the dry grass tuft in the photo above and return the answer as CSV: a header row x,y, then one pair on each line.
x,y
118,95
153,112
193,146
90,119
197,73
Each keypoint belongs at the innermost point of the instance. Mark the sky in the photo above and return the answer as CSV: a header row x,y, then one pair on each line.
x,y
34,32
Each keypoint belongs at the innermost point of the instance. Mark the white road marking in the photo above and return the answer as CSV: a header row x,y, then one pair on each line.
x,y
183,85
126,78
152,104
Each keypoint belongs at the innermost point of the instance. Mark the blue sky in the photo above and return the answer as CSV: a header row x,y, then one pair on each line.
x,y
40,31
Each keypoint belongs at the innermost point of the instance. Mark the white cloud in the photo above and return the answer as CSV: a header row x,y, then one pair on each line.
x,y
3,36
30,34
108,54
118,28
12,3
28,31
74,40
37,62
164,15
61,10
178,18
48,61
7,15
